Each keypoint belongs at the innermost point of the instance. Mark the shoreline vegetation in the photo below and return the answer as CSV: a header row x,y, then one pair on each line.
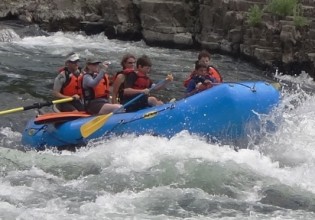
x,y
269,33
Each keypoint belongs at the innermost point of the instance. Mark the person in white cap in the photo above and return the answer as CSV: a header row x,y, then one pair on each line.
x,y
68,83
96,88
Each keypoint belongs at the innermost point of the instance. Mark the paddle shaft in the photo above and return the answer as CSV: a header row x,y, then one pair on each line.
x,y
36,105
139,96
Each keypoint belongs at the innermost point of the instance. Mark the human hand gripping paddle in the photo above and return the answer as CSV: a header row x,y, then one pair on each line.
x,y
96,123
36,105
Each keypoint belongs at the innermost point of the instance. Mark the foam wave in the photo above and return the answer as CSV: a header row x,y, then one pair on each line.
x,y
8,35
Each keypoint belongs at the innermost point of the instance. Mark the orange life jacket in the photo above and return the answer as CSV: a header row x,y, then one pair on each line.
x,y
73,83
101,90
215,74
212,73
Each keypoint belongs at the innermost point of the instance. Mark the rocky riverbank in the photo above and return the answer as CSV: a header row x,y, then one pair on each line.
x,y
219,25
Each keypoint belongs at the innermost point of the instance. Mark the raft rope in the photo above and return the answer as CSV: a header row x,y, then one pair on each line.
x,y
252,88
122,122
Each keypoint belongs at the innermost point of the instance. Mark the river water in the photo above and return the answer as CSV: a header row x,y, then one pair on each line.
x,y
150,177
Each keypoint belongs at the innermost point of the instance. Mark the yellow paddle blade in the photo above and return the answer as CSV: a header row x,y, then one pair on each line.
x,y
276,85
96,123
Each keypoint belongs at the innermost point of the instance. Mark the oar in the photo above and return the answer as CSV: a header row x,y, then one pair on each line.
x,y
96,123
35,105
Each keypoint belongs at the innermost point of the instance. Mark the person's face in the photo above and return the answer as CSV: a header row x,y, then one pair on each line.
x,y
202,71
205,60
73,65
130,63
144,69
93,67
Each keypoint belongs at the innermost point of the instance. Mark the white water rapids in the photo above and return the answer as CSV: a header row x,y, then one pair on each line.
x,y
149,177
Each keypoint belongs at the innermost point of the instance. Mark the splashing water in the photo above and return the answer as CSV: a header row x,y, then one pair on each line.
x,y
147,177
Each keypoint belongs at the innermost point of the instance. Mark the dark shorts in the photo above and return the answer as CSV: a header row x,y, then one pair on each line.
x,y
140,103
70,106
94,106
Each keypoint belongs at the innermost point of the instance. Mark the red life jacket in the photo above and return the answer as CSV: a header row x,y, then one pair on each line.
x,y
212,72
101,90
124,71
142,82
73,83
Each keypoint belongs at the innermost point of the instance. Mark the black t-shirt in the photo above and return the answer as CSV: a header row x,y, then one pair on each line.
x,y
130,80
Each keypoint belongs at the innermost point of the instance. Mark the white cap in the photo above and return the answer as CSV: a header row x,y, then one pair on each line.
x,y
73,57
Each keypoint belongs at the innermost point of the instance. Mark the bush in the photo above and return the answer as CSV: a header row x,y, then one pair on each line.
x,y
282,7
254,16
298,19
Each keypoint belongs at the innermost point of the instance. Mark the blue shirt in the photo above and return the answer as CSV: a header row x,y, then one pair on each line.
x,y
197,79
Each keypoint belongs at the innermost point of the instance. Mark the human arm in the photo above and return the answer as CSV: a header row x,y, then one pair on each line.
x,y
197,85
191,88
90,82
59,81
131,91
116,85
169,78
129,82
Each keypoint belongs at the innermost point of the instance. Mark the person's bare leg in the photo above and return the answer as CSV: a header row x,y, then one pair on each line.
x,y
154,101
108,108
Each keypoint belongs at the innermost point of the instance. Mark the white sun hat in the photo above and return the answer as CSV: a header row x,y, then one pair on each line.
x,y
73,57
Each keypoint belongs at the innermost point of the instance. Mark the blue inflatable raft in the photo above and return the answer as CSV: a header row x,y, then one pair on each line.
x,y
220,113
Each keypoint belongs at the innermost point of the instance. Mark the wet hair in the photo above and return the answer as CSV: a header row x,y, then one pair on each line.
x,y
125,58
144,60
200,65
204,53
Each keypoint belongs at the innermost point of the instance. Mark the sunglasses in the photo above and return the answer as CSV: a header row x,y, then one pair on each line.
x,y
74,62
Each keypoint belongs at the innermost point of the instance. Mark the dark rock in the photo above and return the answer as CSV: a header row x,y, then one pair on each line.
x,y
220,26
92,28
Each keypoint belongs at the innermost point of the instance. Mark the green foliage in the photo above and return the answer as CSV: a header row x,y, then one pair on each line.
x,y
298,19
254,16
282,7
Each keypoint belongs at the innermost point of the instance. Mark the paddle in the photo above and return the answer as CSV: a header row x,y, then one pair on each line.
x,y
35,105
96,123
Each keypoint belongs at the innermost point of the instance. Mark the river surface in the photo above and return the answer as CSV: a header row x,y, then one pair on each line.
x,y
150,177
